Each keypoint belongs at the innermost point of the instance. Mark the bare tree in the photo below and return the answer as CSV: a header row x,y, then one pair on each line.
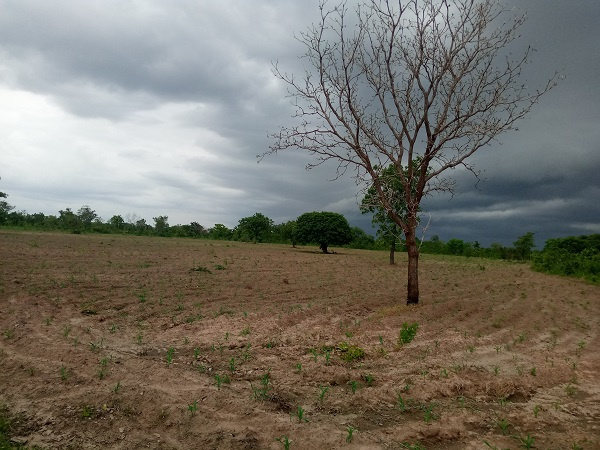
x,y
407,80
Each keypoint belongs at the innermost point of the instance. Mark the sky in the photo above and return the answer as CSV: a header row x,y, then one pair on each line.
x,y
148,108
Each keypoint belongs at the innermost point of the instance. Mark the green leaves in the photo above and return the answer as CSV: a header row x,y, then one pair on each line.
x,y
323,228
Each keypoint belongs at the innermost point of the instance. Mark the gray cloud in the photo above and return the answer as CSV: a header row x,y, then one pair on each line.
x,y
160,108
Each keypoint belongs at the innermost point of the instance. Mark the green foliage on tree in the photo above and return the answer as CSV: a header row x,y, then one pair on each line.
x,y
220,232
161,225
323,228
5,209
256,228
285,232
86,216
524,246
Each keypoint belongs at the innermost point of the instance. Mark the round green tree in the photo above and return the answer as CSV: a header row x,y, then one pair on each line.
x,y
323,228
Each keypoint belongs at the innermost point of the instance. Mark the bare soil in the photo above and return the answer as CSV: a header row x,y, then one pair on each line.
x,y
136,342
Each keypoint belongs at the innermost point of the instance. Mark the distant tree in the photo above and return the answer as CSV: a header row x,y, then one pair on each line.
x,y
323,228
256,228
524,246
5,209
455,247
288,231
161,225
398,80
87,216
220,232
117,222
69,220
360,239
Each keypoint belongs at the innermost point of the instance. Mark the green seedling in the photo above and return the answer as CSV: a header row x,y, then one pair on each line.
x,y
503,424
354,385
323,392
117,387
196,353
227,336
193,408
369,379
536,410
87,411
103,367
381,340
408,446
407,333
232,365
526,442
113,329
493,447
262,393
285,441
64,374
314,353
401,404
142,296
220,379
138,338
66,330
327,357
533,371
300,414
350,431
170,353
245,331
298,367
429,415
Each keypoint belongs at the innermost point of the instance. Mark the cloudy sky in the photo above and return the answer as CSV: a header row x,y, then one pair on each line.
x,y
153,107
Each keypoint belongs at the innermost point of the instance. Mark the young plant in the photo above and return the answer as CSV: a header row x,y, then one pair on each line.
x,y
262,393
354,385
407,333
323,392
285,441
117,387
298,367
300,414
350,431
193,408
503,424
369,379
138,338
232,365
526,442
64,374
196,352
170,353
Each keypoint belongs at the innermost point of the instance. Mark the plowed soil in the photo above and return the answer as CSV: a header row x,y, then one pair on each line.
x,y
137,342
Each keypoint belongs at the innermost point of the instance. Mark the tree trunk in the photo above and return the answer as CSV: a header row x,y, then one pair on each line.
x,y
412,297
392,252
323,247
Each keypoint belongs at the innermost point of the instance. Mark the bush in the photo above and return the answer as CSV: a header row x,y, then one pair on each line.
x,y
407,333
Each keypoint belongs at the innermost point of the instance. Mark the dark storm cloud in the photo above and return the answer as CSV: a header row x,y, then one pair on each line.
x,y
187,90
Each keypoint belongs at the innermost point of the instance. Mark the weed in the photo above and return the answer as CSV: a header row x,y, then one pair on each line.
x,y
349,334
8,334
285,441
200,269
113,329
87,411
369,379
323,392
220,267
407,333
350,431
170,353
193,408
179,307
350,352
300,414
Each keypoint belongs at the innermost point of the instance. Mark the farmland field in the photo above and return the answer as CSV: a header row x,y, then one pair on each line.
x,y
140,342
